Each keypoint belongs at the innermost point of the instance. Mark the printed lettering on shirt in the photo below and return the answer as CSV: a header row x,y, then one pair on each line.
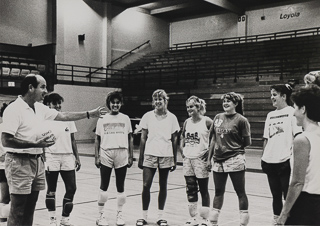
x,y
223,131
275,128
114,128
218,122
192,139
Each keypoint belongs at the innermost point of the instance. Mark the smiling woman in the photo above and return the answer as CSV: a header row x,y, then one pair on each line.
x,y
279,131
230,136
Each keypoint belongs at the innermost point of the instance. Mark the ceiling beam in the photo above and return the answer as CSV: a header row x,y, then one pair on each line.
x,y
227,5
139,3
170,8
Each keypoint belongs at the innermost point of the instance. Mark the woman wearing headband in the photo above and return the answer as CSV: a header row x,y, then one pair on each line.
x,y
230,135
279,131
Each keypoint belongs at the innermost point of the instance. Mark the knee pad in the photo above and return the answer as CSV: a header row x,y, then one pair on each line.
x,y
204,212
5,210
121,199
103,197
192,191
214,216
67,207
244,217
51,202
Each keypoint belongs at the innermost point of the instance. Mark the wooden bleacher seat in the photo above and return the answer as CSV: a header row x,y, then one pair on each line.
x,y
5,62
41,68
14,63
36,72
24,64
24,72
33,65
5,71
15,72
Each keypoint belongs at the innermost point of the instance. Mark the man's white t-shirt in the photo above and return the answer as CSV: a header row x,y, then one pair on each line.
x,y
62,132
159,133
280,129
114,130
21,121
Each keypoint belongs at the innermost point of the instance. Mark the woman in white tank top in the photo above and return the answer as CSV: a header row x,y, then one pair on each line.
x,y
302,206
194,146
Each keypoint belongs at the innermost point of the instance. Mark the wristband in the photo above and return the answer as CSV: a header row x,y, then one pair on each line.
x,y
88,115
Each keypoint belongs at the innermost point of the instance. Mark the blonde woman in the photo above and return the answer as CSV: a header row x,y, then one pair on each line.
x,y
195,143
158,150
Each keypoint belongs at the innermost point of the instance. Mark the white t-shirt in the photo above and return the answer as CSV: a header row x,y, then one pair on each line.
x,y
280,129
21,121
196,138
62,132
159,133
114,130
311,183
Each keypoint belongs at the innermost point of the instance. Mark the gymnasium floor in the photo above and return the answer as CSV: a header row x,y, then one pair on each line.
x,y
176,211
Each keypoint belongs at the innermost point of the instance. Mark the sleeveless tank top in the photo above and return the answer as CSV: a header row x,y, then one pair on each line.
x,y
311,184
196,138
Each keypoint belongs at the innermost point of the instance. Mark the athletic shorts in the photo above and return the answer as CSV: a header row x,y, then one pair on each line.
x,y
24,174
114,158
158,162
3,177
58,162
276,169
195,167
233,164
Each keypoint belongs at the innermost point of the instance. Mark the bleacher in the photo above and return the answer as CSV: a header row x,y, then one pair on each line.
x,y
208,72
18,61
247,65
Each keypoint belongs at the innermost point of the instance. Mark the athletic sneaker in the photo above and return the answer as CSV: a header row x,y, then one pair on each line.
x,y
205,222
191,222
120,220
65,222
53,221
102,221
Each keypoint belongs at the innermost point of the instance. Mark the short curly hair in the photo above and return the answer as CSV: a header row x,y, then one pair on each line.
x,y
309,97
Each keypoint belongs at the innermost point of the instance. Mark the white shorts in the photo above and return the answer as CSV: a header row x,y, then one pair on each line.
x,y
233,164
58,162
195,167
114,158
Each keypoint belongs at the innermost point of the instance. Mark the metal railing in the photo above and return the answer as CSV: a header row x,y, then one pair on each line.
x,y
248,39
119,58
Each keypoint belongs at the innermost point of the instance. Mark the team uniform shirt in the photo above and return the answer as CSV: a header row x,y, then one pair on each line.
x,y
280,128
196,138
229,131
311,183
21,121
159,133
62,132
114,130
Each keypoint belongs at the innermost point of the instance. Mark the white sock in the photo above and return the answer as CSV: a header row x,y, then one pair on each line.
x,y
214,215
244,217
160,214
145,214
204,212
52,214
193,209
